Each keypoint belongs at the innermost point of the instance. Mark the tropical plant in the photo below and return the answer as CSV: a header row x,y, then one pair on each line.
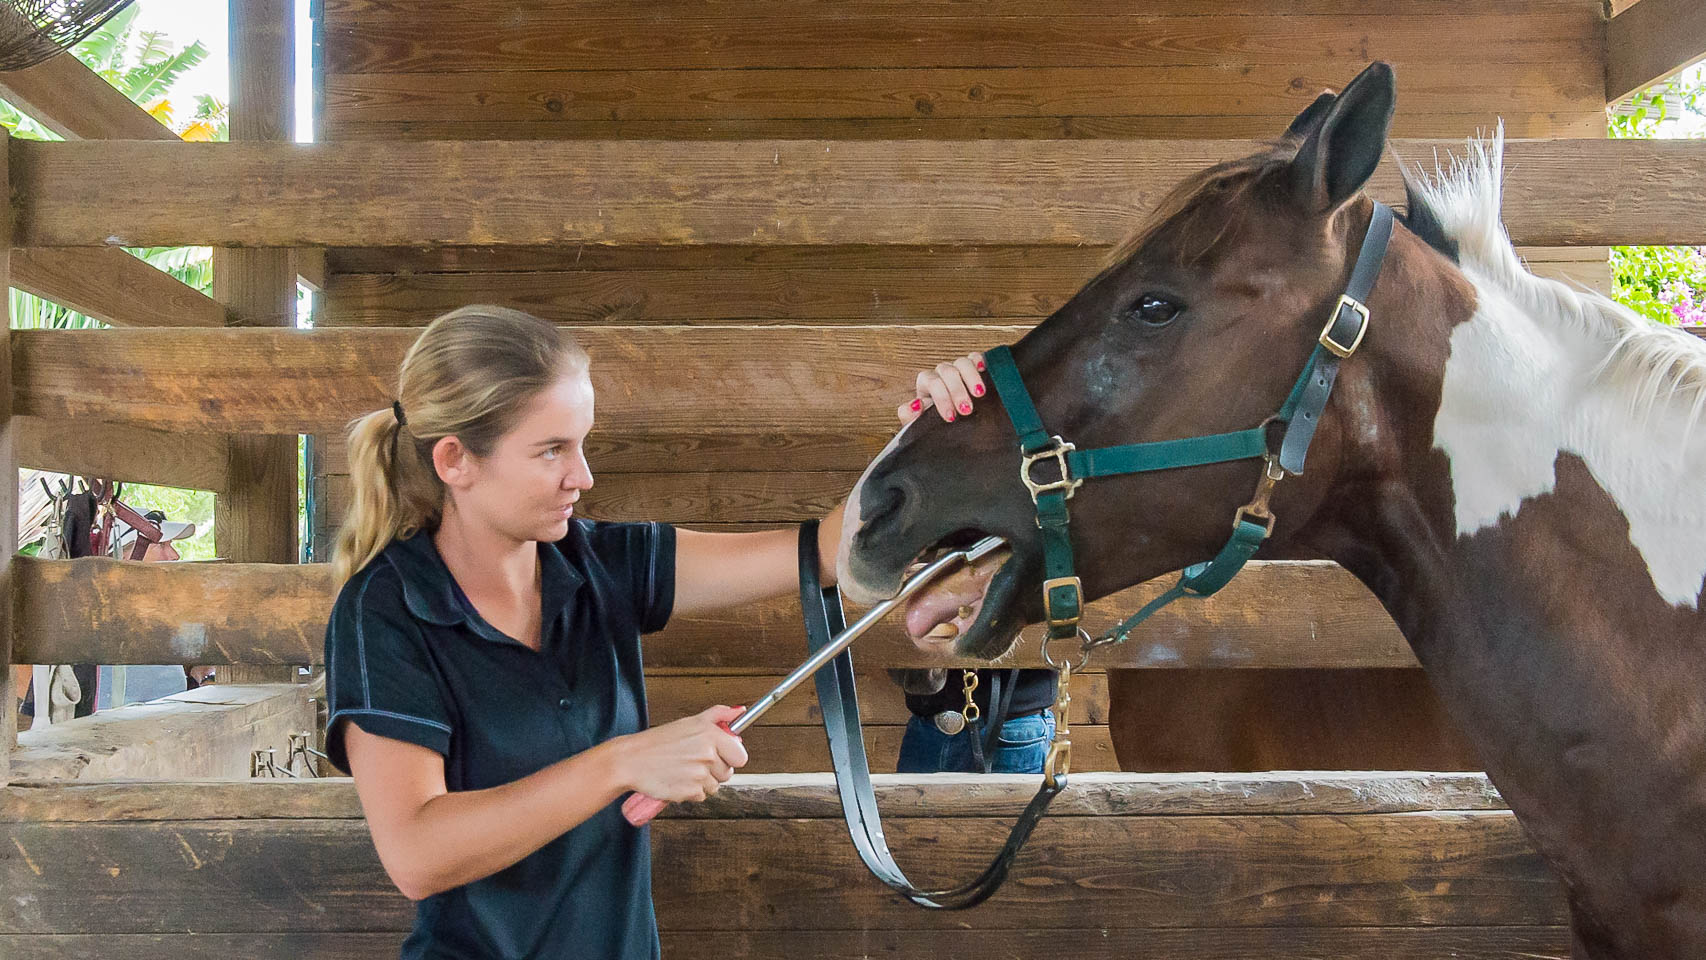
x,y
1667,284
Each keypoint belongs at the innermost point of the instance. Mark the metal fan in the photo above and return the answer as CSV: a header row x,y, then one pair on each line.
x,y
34,30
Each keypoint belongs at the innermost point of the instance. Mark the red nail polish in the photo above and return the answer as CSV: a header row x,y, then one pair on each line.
x,y
980,364
965,408
977,390
917,404
950,418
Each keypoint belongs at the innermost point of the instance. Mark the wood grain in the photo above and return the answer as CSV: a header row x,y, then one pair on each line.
x,y
1557,193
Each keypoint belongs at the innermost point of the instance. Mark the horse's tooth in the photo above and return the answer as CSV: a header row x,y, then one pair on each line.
x,y
945,631
965,612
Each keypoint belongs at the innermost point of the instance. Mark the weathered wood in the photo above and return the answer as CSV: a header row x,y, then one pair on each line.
x,y
1277,614
813,796
1409,123
687,498
453,38
315,381
366,11
206,732
797,749
1448,868
1650,41
1211,89
133,454
1565,192
590,285
9,591
114,287
1205,943
73,101
671,695
256,513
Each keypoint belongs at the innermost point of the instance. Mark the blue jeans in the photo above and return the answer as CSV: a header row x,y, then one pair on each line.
x,y
1021,748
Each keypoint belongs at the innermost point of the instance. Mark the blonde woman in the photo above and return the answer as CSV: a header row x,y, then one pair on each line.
x,y
483,655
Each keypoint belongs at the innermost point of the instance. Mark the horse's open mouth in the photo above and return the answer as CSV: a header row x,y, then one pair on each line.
x,y
945,611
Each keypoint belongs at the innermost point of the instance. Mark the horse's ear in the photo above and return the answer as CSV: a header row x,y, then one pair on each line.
x,y
1343,150
1311,117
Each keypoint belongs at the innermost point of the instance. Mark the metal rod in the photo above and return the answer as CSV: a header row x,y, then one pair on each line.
x,y
972,554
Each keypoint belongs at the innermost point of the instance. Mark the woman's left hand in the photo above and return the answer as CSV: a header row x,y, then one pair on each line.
x,y
950,388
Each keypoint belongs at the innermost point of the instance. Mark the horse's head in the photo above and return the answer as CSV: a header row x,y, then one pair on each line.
x,y
1200,326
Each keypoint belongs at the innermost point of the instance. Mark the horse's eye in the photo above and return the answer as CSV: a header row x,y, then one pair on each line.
x,y
1156,311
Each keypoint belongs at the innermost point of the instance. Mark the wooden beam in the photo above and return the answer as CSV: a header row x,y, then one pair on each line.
x,y
1557,192
315,381
112,286
812,796
120,452
746,285
1649,42
463,37
1277,614
8,500
256,512
209,732
1159,861
75,102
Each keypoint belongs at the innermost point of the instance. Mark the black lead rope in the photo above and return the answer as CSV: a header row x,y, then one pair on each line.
x,y
824,619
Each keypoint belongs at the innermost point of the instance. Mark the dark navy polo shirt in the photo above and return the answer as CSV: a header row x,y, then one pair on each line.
x,y
408,657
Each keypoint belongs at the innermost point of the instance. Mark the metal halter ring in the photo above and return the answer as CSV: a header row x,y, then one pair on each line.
x,y
1084,649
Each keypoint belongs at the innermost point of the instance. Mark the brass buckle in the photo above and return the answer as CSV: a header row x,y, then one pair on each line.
x,y
1326,339
1058,450
1048,608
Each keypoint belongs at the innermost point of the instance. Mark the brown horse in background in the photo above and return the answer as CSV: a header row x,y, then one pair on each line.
x,y
1509,464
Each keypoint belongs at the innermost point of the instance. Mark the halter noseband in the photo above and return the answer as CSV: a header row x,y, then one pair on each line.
x,y
1062,591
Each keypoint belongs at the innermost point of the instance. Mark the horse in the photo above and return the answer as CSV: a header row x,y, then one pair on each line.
x,y
1506,462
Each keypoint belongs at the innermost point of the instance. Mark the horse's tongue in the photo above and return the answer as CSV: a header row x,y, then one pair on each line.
x,y
939,602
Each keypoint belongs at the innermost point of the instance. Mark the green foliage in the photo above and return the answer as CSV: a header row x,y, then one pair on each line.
x,y
1666,284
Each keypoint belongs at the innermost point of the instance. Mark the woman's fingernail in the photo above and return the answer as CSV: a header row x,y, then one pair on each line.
x,y
977,389
965,408
917,404
980,364
950,418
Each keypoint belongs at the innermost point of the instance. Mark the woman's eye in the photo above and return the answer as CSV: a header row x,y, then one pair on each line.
x,y
1155,311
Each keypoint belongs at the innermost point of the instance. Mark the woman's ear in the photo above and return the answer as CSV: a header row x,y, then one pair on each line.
x,y
453,463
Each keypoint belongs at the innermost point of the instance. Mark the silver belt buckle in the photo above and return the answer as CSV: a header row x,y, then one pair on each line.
x,y
950,722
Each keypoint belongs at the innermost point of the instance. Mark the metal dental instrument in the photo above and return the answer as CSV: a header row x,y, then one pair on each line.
x,y
640,808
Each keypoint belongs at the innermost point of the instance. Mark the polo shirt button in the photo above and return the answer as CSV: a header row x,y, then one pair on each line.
x,y
564,703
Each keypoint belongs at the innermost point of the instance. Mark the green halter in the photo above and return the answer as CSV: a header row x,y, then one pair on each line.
x,y
1062,591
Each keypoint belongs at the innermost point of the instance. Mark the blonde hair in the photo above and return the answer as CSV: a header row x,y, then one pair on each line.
x,y
470,374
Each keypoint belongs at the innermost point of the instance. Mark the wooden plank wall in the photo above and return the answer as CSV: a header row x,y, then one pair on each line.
x,y
1281,866
874,69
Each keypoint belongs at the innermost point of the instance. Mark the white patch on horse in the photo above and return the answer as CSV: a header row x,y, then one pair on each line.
x,y
1543,368
855,591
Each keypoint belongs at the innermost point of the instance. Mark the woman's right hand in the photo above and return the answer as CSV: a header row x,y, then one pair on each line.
x,y
683,761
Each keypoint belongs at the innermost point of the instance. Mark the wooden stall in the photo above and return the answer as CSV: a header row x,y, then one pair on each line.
x,y
761,219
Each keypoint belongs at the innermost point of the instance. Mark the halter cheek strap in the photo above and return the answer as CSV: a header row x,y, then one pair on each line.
x,y
1301,413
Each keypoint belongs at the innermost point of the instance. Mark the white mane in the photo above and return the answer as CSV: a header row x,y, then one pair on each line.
x,y
1654,364
1544,368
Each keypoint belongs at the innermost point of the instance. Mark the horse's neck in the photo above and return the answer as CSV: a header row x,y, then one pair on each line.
x,y
1544,556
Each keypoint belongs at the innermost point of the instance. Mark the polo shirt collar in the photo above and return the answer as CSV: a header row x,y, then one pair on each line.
x,y
430,591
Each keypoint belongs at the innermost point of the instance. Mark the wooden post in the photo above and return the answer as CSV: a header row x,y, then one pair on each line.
x,y
8,471
255,517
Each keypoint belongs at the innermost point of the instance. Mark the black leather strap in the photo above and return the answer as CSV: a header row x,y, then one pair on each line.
x,y
986,732
1347,324
824,618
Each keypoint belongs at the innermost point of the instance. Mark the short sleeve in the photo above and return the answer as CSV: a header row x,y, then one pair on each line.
x,y
378,672
640,558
